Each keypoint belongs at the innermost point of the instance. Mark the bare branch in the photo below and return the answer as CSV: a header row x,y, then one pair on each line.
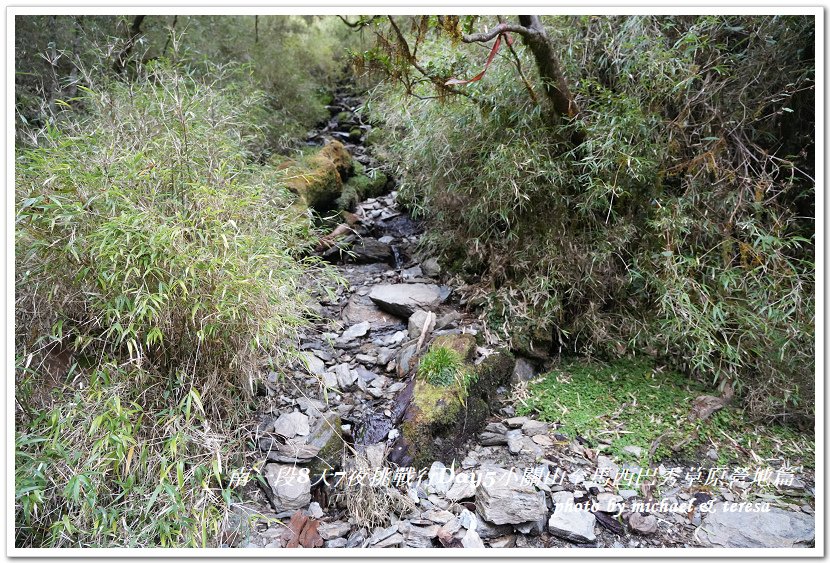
x,y
499,29
360,24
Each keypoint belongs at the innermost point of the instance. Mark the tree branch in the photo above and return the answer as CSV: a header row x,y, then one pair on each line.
x,y
438,82
499,29
360,24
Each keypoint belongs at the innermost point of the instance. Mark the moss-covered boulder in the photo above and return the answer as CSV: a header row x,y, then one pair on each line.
x,y
318,178
462,344
440,417
360,187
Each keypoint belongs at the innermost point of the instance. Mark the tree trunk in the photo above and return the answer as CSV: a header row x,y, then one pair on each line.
x,y
135,30
555,84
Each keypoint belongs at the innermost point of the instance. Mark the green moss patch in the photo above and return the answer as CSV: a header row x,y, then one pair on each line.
x,y
630,402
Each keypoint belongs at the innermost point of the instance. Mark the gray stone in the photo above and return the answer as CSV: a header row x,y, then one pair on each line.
x,y
523,371
336,543
431,267
332,530
606,468
516,421
533,427
290,486
608,502
326,440
568,522
636,451
375,455
407,359
346,377
417,536
532,528
315,510
360,308
487,530
471,539
395,540
440,478
370,250
403,299
356,539
514,441
468,519
507,541
462,487
412,273
503,497
312,407
291,425
383,533
643,524
543,440
776,528
451,527
492,439
438,516
576,477
496,428
448,320
355,331
385,355
330,379
627,494
313,364
418,320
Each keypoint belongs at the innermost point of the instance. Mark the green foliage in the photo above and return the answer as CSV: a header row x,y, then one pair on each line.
x,y
681,227
440,366
294,61
168,267
120,463
146,230
629,402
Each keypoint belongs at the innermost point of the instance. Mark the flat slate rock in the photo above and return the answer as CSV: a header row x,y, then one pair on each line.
x,y
568,522
776,528
403,299
360,308
503,497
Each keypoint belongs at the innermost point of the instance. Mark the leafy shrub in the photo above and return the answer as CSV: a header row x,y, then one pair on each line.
x,y
681,226
163,268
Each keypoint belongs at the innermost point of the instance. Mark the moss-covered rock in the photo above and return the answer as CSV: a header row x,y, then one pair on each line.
x,y
360,187
463,344
439,419
318,178
355,133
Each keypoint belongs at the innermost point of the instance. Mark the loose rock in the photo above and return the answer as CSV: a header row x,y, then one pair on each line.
x,y
569,523
290,486
776,528
504,498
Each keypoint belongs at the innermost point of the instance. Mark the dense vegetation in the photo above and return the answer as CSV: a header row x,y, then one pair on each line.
x,y
164,255
162,262
679,225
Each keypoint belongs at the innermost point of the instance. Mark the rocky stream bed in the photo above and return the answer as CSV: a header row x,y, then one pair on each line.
x,y
361,453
